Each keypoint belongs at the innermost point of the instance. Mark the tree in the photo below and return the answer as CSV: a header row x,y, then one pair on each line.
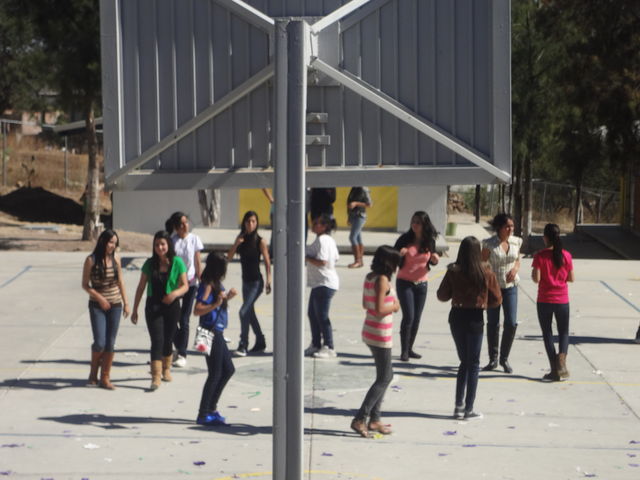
x,y
68,33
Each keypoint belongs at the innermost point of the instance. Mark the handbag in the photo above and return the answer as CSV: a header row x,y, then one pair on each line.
x,y
203,340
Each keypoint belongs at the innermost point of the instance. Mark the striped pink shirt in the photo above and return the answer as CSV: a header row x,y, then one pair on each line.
x,y
376,330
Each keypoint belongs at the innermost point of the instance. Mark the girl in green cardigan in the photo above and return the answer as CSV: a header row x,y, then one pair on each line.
x,y
165,277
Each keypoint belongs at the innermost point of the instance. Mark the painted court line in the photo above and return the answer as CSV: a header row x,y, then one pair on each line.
x,y
632,305
24,270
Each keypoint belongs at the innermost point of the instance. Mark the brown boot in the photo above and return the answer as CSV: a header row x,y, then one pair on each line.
x,y
96,358
562,366
166,368
357,261
156,371
107,361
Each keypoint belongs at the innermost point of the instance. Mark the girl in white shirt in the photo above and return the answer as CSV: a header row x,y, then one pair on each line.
x,y
187,246
321,258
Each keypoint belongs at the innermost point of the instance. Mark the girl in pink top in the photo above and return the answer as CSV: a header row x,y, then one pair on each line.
x,y
552,269
380,302
417,246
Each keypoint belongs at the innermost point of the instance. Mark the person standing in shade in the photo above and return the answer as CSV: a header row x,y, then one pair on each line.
x,y
358,201
321,202
552,269
188,247
321,258
502,251
472,287
417,246
165,277
102,280
250,246
380,302
211,305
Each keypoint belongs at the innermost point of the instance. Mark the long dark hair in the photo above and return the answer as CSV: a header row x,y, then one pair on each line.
x,y
174,222
250,239
429,233
499,221
214,272
327,220
99,258
386,260
470,261
171,252
552,232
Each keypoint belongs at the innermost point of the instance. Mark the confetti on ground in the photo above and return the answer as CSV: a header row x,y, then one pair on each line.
x,y
469,445
12,445
511,427
634,441
450,432
5,473
199,463
255,409
91,446
634,465
511,400
327,454
377,436
396,388
252,394
632,455
443,454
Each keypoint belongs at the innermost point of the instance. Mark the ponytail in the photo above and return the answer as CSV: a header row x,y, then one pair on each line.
x,y
173,222
552,232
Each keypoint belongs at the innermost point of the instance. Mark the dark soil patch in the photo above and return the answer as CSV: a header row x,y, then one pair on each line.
x,y
40,205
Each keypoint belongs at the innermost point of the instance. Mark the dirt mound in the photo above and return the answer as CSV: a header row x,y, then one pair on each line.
x,y
40,205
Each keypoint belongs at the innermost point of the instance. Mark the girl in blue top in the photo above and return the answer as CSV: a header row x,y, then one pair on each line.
x,y
211,305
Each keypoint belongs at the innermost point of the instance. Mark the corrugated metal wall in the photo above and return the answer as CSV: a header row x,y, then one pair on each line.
x,y
179,56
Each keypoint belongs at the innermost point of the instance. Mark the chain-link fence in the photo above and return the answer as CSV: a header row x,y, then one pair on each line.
x,y
552,202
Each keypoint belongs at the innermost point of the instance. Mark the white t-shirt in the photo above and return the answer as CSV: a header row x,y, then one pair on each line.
x,y
323,248
186,249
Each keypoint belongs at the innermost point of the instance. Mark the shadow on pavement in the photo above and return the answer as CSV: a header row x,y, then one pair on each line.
x,y
109,422
579,339
53,384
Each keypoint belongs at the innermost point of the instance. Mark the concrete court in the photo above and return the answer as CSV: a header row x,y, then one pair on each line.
x,y
53,426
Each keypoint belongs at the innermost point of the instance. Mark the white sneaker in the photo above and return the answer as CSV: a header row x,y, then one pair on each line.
x,y
180,362
473,415
325,352
227,340
310,350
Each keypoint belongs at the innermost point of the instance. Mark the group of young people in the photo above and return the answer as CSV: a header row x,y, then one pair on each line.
x,y
483,277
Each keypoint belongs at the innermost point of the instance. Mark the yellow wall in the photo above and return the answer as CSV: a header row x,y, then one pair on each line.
x,y
383,215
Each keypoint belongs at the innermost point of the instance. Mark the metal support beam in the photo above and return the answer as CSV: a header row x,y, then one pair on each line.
x,y
211,112
337,15
401,112
251,15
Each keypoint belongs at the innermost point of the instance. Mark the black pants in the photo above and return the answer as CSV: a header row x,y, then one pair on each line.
x,y
162,322
221,369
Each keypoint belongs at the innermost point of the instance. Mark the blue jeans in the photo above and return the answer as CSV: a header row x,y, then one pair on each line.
x,y
355,235
467,330
319,304
546,311
509,308
104,325
412,297
181,338
384,374
250,293
221,369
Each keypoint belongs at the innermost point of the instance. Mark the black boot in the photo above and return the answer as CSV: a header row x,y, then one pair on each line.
x,y
404,349
493,336
260,345
412,339
508,335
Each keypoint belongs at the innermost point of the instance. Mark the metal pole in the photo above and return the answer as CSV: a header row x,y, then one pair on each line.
x,y
4,153
66,162
297,33
279,242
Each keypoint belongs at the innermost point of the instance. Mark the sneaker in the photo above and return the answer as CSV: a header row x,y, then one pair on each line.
x,y
472,415
458,412
325,352
226,340
240,352
637,340
180,362
310,350
211,419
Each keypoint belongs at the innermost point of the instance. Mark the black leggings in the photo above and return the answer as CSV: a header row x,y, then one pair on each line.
x,y
162,322
221,369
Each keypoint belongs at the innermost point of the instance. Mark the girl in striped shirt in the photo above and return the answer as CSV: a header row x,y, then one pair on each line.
x,y
380,302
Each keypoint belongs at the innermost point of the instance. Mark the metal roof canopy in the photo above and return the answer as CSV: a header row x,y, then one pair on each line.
x,y
402,92
210,120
